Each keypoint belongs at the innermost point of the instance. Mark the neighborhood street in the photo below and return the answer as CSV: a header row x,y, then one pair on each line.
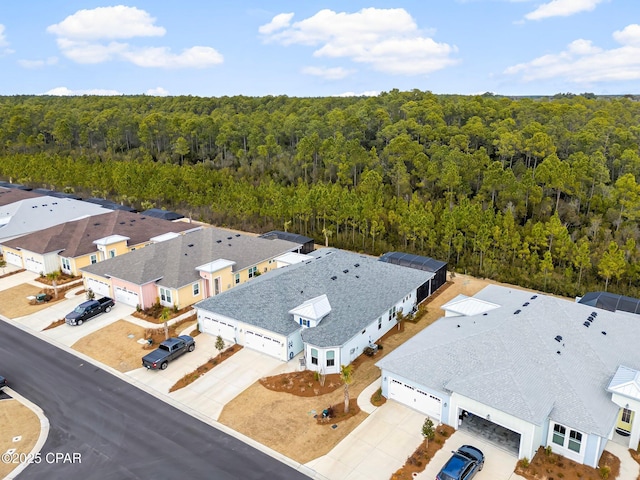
x,y
114,429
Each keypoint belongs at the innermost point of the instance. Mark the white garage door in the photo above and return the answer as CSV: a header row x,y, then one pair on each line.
x,y
126,296
13,259
99,288
263,343
33,265
415,398
216,327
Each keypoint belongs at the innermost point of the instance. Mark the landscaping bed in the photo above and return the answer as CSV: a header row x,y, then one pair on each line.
x,y
153,313
189,378
547,465
419,459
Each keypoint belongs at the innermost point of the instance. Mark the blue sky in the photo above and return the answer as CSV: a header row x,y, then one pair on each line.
x,y
310,48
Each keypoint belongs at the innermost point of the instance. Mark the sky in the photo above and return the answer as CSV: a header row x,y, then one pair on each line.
x,y
308,48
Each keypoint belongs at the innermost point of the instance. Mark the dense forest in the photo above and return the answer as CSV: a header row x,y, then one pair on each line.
x,y
541,192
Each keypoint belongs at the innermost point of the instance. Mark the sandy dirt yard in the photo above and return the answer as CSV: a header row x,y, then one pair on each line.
x,y
286,423
20,424
14,303
115,345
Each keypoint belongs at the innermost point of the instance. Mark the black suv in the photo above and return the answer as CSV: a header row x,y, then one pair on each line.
x,y
463,464
3,382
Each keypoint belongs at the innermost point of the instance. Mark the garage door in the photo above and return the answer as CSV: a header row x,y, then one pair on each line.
x,y
13,259
216,327
126,296
263,343
415,398
33,265
99,288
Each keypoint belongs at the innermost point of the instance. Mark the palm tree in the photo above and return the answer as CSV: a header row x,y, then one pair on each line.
x,y
165,316
53,276
346,372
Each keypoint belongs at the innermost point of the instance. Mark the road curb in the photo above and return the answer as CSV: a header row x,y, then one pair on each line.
x,y
42,438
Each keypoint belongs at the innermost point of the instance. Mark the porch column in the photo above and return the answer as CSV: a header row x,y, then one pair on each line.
x,y
635,431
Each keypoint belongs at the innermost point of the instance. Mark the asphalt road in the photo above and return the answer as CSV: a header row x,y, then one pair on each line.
x,y
117,430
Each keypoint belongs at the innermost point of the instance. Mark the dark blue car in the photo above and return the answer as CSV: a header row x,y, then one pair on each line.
x,y
463,464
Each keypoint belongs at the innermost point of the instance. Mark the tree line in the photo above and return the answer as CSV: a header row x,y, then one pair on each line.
x,y
541,192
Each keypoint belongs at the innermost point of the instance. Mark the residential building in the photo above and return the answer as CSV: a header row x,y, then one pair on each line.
x,y
331,307
545,370
72,245
179,270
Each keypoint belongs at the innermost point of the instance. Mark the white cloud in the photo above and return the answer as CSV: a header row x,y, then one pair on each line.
x,y
562,8
32,64
194,57
584,63
335,73
90,37
278,22
157,92
388,40
4,44
107,23
370,93
65,92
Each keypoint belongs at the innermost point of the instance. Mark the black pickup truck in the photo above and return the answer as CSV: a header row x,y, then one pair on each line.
x,y
168,350
89,309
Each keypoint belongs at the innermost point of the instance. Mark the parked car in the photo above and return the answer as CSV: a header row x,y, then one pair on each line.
x,y
168,350
463,464
3,382
89,309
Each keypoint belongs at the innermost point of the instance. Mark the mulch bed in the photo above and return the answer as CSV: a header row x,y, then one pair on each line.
x,y
55,324
303,384
12,273
547,465
202,369
419,459
61,280
377,399
338,414
153,313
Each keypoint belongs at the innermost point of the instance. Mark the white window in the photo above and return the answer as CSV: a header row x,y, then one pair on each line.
x,y
196,289
252,271
237,278
93,259
626,415
112,253
66,265
558,434
304,322
575,440
331,358
314,356
165,295
379,323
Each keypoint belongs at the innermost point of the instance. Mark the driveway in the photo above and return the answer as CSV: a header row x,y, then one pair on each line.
x,y
210,393
377,448
498,465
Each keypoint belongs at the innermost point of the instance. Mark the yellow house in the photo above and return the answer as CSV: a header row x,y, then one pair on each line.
x,y
181,271
70,246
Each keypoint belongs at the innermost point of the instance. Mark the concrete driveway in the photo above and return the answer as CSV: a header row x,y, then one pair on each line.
x,y
498,465
376,448
211,392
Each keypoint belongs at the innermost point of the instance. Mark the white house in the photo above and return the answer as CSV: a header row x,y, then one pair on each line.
x,y
332,306
549,371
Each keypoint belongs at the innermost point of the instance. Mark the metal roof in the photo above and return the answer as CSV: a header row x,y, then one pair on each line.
x,y
427,264
611,301
291,237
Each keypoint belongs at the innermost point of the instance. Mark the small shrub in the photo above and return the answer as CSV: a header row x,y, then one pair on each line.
x,y
525,462
560,475
604,472
316,376
547,450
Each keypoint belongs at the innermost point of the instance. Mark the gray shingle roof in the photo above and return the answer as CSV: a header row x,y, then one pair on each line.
x,y
173,263
510,361
76,238
356,297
